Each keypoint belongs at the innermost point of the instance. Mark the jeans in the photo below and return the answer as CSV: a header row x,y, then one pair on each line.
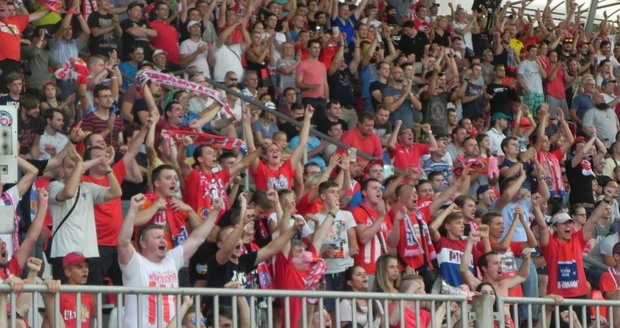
x,y
530,289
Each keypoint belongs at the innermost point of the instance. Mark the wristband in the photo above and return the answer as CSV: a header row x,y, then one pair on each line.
x,y
71,12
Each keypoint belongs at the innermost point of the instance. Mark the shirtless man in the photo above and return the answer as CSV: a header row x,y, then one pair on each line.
x,y
491,268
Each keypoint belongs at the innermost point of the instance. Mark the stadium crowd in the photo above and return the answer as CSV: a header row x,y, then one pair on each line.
x,y
493,133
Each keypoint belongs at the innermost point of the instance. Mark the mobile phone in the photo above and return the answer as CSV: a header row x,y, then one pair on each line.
x,y
335,30
318,28
352,155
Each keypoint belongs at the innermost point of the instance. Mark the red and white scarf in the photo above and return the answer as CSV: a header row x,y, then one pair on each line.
x,y
205,138
179,83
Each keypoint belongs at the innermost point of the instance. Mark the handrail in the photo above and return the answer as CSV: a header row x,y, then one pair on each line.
x,y
227,292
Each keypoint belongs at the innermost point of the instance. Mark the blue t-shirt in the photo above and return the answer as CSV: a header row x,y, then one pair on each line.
x,y
582,103
449,257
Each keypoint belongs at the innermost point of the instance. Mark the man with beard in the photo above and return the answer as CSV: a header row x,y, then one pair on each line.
x,y
400,100
29,126
603,118
103,121
53,140
436,98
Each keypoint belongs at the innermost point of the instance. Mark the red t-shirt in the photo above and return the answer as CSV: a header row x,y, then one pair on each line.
x,y
201,188
370,145
10,36
408,157
67,309
167,40
555,88
12,268
410,319
411,248
175,230
289,278
304,207
607,284
567,277
109,216
370,252
266,179
424,206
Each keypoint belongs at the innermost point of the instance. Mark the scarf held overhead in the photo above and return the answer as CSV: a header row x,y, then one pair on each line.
x,y
182,84
209,139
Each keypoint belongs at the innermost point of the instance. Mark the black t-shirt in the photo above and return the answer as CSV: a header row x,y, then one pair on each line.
x,y
130,188
139,106
435,112
27,132
502,98
341,87
415,45
580,179
325,124
8,101
104,43
289,129
219,275
130,40
376,85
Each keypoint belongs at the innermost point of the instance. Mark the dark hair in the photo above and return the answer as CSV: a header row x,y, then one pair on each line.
x,y
88,154
49,114
307,165
169,107
365,116
326,185
313,41
98,88
489,216
198,151
260,199
226,155
483,262
505,142
157,171
366,182
28,101
479,289
434,174
460,200
129,130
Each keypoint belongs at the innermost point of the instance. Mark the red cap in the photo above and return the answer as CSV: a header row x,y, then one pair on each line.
x,y
73,258
581,44
375,162
524,122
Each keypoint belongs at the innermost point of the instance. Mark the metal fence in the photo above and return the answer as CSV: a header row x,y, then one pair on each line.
x,y
459,303
476,313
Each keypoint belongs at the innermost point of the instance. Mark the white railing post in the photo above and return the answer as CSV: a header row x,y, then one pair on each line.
x,y
483,308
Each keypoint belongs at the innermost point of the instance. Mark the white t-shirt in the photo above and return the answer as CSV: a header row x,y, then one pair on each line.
x,y
57,140
140,272
337,239
13,197
227,58
188,47
530,73
305,231
78,233
496,138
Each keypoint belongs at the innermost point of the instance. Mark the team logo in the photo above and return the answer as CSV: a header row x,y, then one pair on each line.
x,y
5,119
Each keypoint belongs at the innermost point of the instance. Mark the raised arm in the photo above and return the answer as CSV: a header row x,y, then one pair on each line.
x,y
278,245
73,181
115,190
125,248
468,277
543,230
228,245
601,211
198,236
32,236
366,233
29,174
303,136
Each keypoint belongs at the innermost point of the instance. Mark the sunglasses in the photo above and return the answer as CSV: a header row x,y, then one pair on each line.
x,y
202,321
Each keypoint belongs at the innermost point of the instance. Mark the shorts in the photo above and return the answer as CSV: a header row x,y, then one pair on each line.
x,y
333,282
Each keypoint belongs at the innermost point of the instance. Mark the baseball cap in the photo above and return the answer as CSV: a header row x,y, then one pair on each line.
x,y
501,115
561,217
73,258
159,52
372,163
582,43
133,4
189,25
145,63
270,105
482,189
524,122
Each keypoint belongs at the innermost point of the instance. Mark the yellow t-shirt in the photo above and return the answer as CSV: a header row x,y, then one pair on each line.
x,y
516,45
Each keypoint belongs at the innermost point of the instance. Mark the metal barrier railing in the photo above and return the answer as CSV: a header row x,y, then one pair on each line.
x,y
285,295
569,304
